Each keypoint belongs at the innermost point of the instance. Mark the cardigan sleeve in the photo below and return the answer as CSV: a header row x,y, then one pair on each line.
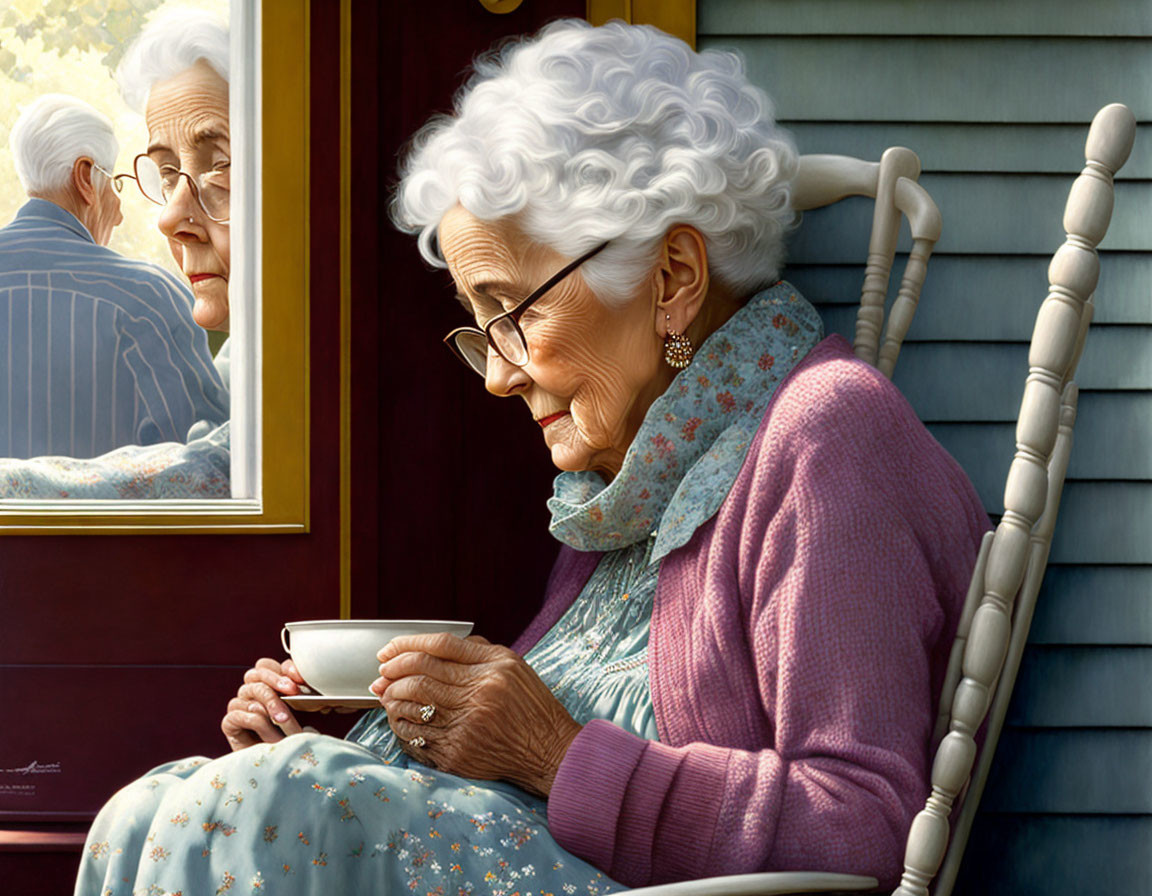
x,y
641,810
811,621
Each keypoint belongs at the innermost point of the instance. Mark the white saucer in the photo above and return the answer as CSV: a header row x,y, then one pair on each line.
x,y
319,701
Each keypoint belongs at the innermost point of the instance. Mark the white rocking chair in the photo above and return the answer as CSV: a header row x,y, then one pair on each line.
x,y
823,180
998,609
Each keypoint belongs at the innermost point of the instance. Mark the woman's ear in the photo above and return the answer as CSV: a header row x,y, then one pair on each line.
x,y
683,280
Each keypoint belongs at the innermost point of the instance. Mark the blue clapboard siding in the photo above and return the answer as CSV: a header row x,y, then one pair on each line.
x,y
1104,522
1042,855
1082,686
957,17
1042,770
1023,148
965,295
1109,443
1089,604
1114,358
979,79
996,99
986,213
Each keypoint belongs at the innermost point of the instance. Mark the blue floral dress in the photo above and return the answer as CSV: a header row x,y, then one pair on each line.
x,y
316,815
199,469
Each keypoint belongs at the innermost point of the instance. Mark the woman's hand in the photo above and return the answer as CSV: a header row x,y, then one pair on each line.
x,y
493,717
257,714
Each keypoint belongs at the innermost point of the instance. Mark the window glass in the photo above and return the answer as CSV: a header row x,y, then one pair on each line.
x,y
126,358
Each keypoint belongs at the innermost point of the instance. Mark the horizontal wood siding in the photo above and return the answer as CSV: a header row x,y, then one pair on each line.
x,y
1025,18
1024,148
1092,604
965,293
996,99
946,79
1043,771
1031,854
1085,686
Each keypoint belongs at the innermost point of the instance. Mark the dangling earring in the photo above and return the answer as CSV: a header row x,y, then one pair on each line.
x,y
677,348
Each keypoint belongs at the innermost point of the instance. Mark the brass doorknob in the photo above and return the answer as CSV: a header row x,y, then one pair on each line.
x,y
500,6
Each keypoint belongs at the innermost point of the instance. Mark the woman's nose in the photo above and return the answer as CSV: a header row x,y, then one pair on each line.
x,y
502,378
178,217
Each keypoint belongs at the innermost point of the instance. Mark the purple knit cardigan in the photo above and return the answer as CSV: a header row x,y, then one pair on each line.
x,y
797,650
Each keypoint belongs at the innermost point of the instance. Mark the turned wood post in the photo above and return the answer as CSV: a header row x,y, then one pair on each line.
x,y
1056,340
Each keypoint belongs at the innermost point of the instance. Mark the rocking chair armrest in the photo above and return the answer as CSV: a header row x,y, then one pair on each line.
x,y
824,179
768,883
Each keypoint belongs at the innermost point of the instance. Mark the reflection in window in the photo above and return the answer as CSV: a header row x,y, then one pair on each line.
x,y
115,268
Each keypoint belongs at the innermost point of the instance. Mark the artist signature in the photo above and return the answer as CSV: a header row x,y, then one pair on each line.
x,y
35,768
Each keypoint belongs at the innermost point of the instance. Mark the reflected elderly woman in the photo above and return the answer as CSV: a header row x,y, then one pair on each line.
x,y
763,554
176,75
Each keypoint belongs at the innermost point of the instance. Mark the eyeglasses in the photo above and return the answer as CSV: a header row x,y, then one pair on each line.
x,y
158,183
116,179
503,332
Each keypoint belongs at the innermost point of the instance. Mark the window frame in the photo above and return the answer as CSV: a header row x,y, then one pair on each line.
x,y
270,449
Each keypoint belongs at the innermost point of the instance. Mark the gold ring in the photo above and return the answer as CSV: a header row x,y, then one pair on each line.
x,y
426,712
417,741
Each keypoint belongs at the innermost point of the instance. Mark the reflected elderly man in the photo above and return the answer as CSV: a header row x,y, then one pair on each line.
x,y
97,350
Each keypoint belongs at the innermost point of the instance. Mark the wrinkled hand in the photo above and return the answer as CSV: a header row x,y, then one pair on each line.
x,y
257,714
494,718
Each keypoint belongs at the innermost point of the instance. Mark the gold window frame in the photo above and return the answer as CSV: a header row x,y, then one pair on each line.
x,y
283,489
676,17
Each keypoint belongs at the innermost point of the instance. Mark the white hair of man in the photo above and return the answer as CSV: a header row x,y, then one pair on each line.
x,y
169,45
617,132
51,133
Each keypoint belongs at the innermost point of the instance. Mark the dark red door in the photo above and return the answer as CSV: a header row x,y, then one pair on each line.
x,y
450,483
120,652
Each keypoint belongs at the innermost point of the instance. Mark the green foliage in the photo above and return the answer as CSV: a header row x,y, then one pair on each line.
x,y
105,26
73,47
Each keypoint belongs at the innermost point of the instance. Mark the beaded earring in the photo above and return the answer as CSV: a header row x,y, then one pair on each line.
x,y
677,348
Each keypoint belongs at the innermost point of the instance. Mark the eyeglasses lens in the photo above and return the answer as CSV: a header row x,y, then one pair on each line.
x,y
213,188
215,197
148,176
508,341
473,347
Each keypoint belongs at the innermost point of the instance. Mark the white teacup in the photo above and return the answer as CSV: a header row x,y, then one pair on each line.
x,y
337,657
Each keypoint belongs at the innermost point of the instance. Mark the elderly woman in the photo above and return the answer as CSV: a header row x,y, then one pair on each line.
x,y
176,74
764,552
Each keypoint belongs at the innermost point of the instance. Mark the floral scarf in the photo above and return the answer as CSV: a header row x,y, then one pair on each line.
x,y
694,437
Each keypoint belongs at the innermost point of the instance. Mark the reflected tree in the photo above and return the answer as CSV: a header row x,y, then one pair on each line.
x,y
101,25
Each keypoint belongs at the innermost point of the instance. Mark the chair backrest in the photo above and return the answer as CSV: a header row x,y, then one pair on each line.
x,y
1010,566
1002,595
892,182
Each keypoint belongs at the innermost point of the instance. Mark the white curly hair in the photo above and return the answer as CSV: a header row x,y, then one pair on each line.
x,y
617,132
51,133
175,41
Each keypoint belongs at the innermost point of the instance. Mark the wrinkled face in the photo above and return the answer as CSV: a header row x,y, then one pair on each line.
x,y
105,214
188,130
592,371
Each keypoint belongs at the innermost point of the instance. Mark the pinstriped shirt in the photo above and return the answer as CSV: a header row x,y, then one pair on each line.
x,y
96,350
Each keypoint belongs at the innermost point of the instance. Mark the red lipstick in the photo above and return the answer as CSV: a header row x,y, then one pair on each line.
x,y
551,418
